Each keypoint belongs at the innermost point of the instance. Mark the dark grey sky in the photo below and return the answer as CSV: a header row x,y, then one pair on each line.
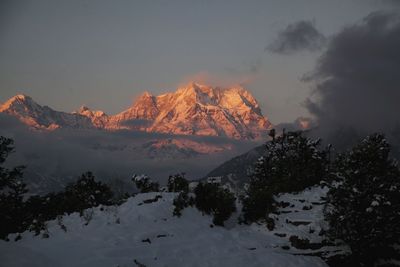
x,y
104,53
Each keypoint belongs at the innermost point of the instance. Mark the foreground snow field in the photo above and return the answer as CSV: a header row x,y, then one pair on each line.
x,y
146,234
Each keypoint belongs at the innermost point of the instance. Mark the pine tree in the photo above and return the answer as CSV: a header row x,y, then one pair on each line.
x,y
18,215
215,200
12,191
182,201
145,184
291,163
178,183
364,205
86,193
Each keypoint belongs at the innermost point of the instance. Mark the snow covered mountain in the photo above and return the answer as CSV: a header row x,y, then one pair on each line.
x,y
42,117
139,116
204,110
179,148
98,118
193,109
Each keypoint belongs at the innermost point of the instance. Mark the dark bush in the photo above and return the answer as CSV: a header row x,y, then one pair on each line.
x,y
182,201
215,200
178,183
257,203
145,185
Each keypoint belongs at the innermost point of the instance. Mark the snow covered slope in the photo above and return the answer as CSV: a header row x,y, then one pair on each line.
x,y
146,233
300,224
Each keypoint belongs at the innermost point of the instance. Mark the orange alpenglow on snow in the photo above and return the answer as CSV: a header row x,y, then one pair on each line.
x,y
194,109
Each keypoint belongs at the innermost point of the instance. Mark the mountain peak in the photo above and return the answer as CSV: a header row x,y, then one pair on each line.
x,y
198,85
17,100
145,97
83,108
193,84
42,117
143,108
146,94
193,109
22,97
86,111
198,109
98,118
198,88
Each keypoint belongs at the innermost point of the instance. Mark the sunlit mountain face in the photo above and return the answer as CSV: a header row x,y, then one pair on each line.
x,y
194,109
191,130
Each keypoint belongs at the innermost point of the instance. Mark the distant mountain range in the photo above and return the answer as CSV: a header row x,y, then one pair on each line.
x,y
193,109
190,130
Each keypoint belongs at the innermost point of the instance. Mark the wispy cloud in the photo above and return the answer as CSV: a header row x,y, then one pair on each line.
x,y
230,78
64,154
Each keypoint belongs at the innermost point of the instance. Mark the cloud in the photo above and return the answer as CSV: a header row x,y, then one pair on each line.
x,y
137,123
357,78
300,123
298,36
232,77
246,68
55,158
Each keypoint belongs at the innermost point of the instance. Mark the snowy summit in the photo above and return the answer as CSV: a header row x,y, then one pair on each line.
x,y
193,109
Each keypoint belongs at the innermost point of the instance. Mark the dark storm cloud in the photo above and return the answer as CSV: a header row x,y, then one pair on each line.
x,y
358,78
298,36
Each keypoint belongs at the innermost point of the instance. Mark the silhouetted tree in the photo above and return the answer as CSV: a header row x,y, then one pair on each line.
x,y
86,193
291,163
182,201
364,204
215,200
145,184
18,215
12,190
178,183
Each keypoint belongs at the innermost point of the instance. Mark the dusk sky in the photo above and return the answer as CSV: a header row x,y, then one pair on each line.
x,y
104,53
